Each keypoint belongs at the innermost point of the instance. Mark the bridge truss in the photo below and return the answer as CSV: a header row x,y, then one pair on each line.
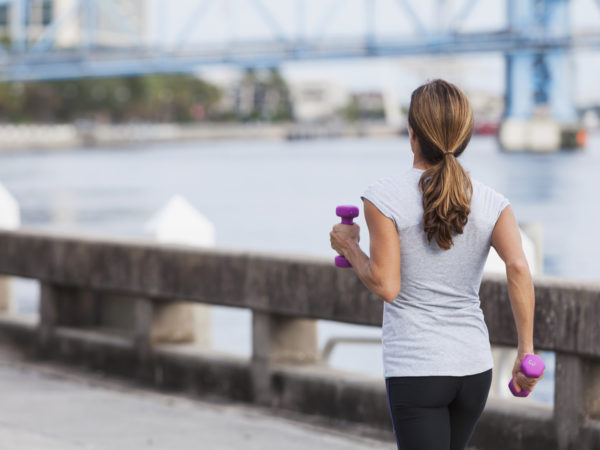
x,y
45,53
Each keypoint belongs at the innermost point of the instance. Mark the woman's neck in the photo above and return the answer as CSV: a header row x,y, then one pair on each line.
x,y
419,163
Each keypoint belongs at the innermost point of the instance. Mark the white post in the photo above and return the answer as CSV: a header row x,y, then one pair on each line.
x,y
10,219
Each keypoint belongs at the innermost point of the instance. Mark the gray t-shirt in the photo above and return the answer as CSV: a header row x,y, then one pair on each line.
x,y
435,326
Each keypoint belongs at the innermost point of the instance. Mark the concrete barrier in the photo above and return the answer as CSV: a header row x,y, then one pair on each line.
x,y
284,293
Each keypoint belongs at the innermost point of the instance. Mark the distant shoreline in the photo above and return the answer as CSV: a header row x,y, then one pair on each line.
x,y
31,137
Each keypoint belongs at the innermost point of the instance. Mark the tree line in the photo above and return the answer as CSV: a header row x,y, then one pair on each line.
x,y
154,98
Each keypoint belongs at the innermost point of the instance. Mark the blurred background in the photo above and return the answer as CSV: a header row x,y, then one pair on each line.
x,y
243,123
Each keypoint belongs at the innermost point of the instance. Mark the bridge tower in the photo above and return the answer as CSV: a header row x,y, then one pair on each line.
x,y
540,114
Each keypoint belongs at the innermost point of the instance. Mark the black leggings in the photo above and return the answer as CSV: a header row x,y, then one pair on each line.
x,y
438,412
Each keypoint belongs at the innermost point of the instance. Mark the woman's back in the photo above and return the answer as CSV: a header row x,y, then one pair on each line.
x,y
435,326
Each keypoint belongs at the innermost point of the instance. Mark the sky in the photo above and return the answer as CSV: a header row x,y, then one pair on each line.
x,y
194,22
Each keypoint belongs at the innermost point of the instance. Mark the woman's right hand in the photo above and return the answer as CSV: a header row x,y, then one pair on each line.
x,y
520,380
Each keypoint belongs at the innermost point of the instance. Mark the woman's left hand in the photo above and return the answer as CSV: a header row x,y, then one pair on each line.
x,y
342,236
520,380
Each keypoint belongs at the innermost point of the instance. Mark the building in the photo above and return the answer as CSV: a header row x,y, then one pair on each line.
x,y
317,100
369,105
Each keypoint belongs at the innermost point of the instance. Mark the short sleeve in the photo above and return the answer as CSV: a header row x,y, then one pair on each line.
x,y
500,202
381,195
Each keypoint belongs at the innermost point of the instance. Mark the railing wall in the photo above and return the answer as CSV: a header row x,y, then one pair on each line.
x,y
87,282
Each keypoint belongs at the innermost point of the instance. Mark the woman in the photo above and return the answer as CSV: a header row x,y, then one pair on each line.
x,y
430,230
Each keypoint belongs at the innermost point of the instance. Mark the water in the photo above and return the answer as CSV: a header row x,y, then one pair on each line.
x,y
281,196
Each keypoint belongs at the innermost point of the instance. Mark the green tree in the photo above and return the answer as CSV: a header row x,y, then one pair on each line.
x,y
179,98
263,96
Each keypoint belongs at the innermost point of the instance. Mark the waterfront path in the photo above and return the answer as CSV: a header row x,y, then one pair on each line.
x,y
50,407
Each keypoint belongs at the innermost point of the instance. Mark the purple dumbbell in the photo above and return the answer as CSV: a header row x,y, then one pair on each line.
x,y
532,366
347,213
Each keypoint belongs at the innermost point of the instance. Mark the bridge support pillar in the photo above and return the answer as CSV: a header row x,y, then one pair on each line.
x,y
540,114
576,399
279,339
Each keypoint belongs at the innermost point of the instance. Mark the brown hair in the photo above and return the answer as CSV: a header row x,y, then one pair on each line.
x,y
441,118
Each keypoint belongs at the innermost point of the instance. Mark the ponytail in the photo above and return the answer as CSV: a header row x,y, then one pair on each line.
x,y
441,118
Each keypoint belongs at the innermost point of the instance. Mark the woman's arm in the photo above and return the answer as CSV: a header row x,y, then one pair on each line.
x,y
381,271
506,239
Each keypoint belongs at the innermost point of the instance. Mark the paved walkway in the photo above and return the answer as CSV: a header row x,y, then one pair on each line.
x,y
48,407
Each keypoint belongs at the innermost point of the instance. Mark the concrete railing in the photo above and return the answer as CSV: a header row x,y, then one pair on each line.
x,y
101,299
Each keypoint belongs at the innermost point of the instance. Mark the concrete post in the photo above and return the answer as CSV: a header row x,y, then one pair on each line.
x,y
576,397
143,319
48,313
65,306
279,339
162,321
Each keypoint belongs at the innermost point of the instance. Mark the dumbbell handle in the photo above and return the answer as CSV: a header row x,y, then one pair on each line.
x,y
533,367
347,213
348,220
